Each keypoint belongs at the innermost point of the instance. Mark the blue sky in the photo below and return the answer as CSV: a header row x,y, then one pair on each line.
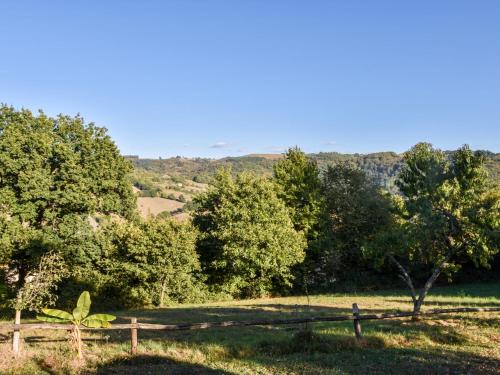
x,y
215,78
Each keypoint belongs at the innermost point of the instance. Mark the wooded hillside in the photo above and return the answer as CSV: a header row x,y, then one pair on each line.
x,y
382,166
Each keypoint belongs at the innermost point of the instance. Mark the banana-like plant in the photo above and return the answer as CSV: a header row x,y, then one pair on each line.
x,y
80,316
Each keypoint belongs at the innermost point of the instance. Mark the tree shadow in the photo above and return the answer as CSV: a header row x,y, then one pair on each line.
x,y
447,303
281,345
273,311
152,365
222,313
330,348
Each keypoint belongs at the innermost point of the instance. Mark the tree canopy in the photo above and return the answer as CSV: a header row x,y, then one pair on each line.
x,y
54,171
298,179
248,242
446,213
353,210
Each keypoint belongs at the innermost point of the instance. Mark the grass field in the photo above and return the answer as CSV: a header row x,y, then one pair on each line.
x,y
466,343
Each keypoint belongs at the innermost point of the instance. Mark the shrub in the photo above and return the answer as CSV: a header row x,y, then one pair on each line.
x,y
152,262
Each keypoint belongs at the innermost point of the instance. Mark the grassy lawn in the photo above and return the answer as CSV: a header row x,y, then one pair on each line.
x,y
456,344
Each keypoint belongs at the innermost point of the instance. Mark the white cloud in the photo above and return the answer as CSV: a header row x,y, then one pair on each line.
x,y
220,145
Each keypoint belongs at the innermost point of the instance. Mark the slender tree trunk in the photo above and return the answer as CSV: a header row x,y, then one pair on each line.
x,y
430,281
16,338
162,292
418,301
405,276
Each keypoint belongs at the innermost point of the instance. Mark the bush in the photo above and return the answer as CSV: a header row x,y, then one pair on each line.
x,y
152,263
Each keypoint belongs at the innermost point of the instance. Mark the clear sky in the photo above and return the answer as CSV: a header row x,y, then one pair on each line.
x,y
215,78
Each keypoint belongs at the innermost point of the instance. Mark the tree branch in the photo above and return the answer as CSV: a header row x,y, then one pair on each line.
x,y
405,276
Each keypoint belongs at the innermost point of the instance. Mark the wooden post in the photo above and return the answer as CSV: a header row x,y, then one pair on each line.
x,y
356,322
133,337
16,337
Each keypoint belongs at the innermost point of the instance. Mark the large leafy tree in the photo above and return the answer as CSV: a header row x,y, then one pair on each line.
x,y
297,177
152,262
248,243
446,213
54,174
353,210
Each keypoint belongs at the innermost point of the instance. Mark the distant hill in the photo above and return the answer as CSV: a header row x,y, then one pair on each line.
x,y
189,175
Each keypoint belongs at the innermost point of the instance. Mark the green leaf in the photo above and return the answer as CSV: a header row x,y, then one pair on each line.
x,y
93,323
78,314
103,317
58,314
82,306
50,319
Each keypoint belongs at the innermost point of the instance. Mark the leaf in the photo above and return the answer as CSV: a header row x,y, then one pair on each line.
x,y
58,314
93,323
50,319
103,317
82,306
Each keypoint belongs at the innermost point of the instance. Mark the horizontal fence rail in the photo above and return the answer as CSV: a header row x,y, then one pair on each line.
x,y
231,323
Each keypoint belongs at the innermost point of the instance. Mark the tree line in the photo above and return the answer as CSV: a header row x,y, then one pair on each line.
x,y
68,223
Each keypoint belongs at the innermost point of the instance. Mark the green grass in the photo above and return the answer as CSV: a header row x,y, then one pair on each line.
x,y
455,344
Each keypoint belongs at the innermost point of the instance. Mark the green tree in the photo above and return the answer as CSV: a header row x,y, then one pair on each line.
x,y
298,179
248,242
353,210
153,262
446,213
54,174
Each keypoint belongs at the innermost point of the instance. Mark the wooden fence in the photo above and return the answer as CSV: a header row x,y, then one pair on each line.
x,y
133,326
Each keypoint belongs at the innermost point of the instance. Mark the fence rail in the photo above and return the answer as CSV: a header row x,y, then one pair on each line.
x,y
356,317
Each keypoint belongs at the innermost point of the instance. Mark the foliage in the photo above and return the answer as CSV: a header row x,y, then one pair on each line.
x,y
446,214
80,315
41,284
297,176
248,242
54,173
353,210
151,262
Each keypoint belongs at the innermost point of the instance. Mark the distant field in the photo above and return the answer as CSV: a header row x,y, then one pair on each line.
x,y
267,156
458,344
153,206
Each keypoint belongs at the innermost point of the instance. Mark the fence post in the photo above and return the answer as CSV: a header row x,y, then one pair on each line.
x,y
356,322
133,337
16,337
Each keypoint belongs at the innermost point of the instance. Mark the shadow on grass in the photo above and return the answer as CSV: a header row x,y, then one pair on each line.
x,y
307,352
448,304
152,365
331,347
222,313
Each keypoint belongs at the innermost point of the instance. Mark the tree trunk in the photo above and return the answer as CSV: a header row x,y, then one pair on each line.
x,y
428,284
405,276
16,338
418,301
162,292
